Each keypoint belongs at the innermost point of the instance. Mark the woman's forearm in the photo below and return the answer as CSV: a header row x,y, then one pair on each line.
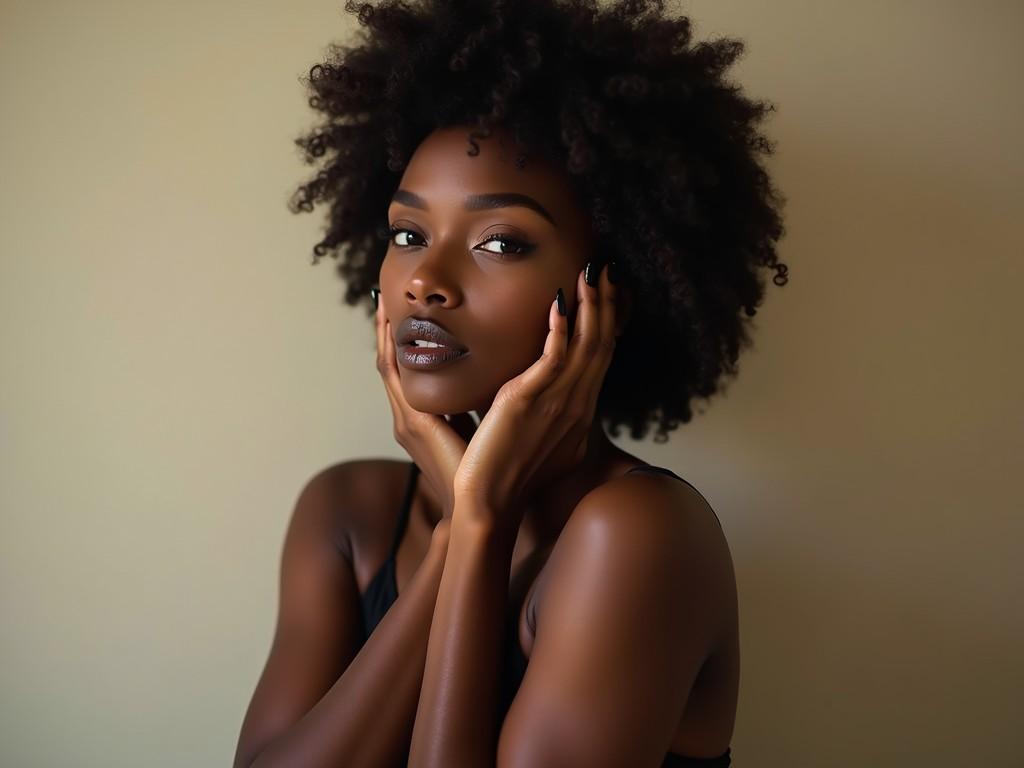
x,y
366,718
456,722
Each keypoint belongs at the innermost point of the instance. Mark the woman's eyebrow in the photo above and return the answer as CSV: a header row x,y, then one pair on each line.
x,y
479,202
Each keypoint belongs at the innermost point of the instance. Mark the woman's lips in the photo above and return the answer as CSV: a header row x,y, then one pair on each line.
x,y
424,328
427,358
415,357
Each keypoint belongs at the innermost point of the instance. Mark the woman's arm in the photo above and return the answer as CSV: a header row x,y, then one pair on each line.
x,y
634,600
365,718
456,721
536,429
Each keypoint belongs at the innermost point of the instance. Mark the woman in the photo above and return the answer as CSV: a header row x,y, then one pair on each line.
x,y
575,216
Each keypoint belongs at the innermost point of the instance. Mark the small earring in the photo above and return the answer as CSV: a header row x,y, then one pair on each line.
x,y
375,294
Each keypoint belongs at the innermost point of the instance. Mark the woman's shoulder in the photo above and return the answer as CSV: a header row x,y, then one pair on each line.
x,y
353,499
646,515
654,541
648,490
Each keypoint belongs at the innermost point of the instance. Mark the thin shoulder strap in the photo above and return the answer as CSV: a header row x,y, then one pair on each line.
x,y
666,471
403,514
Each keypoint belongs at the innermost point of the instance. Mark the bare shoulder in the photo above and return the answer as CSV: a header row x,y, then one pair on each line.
x,y
346,500
647,505
653,530
635,606
319,628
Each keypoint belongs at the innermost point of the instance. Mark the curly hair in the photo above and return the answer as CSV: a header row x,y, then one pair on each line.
x,y
660,148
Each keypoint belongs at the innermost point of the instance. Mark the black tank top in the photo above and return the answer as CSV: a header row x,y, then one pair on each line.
x,y
382,591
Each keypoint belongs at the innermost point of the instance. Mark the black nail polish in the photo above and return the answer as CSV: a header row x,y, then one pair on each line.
x,y
375,293
613,271
590,274
560,298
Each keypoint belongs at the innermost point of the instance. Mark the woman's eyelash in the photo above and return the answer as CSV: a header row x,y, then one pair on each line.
x,y
522,248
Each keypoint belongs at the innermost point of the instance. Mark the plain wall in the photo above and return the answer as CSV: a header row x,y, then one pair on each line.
x,y
175,369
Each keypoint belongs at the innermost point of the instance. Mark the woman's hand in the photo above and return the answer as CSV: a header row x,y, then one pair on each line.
x,y
538,427
435,443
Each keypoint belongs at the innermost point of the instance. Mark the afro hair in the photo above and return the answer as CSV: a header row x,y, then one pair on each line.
x,y
662,150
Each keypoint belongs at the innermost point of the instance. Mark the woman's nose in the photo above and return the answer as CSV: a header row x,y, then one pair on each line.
x,y
433,281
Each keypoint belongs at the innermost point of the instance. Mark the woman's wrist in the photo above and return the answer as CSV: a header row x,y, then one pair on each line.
x,y
442,532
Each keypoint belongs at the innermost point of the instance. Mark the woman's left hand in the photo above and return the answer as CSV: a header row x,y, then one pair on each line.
x,y
539,424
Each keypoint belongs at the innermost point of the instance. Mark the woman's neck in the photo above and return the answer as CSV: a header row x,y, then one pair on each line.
x,y
549,511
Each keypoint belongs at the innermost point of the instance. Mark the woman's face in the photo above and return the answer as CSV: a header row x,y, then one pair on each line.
x,y
445,264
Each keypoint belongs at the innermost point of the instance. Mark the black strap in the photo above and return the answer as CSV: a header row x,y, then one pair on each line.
x,y
403,515
665,471
652,468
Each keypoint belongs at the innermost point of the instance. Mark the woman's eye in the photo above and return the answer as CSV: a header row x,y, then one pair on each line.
x,y
506,246
395,231
520,248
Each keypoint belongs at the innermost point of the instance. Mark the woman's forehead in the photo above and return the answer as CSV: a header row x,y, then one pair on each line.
x,y
441,172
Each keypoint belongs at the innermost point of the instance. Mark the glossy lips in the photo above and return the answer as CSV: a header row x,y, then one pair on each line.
x,y
426,358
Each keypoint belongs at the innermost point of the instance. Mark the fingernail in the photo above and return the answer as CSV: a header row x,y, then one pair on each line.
x,y
613,271
560,299
375,293
590,274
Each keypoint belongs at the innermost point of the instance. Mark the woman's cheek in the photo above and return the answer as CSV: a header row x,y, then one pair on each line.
x,y
527,345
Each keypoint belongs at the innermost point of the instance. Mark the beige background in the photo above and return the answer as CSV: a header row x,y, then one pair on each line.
x,y
174,369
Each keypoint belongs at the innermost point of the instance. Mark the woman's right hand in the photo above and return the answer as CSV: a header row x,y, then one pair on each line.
x,y
435,443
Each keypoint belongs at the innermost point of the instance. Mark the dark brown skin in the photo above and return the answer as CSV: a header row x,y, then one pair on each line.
x,y
629,576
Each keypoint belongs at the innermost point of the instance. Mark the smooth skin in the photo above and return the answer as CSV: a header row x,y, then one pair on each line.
x,y
633,650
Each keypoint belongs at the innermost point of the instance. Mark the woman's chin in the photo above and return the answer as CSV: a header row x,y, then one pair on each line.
x,y
440,403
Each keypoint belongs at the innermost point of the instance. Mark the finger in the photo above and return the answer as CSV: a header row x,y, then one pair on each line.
x,y
384,361
392,379
387,355
390,357
544,371
389,373
590,383
378,323
586,337
386,364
